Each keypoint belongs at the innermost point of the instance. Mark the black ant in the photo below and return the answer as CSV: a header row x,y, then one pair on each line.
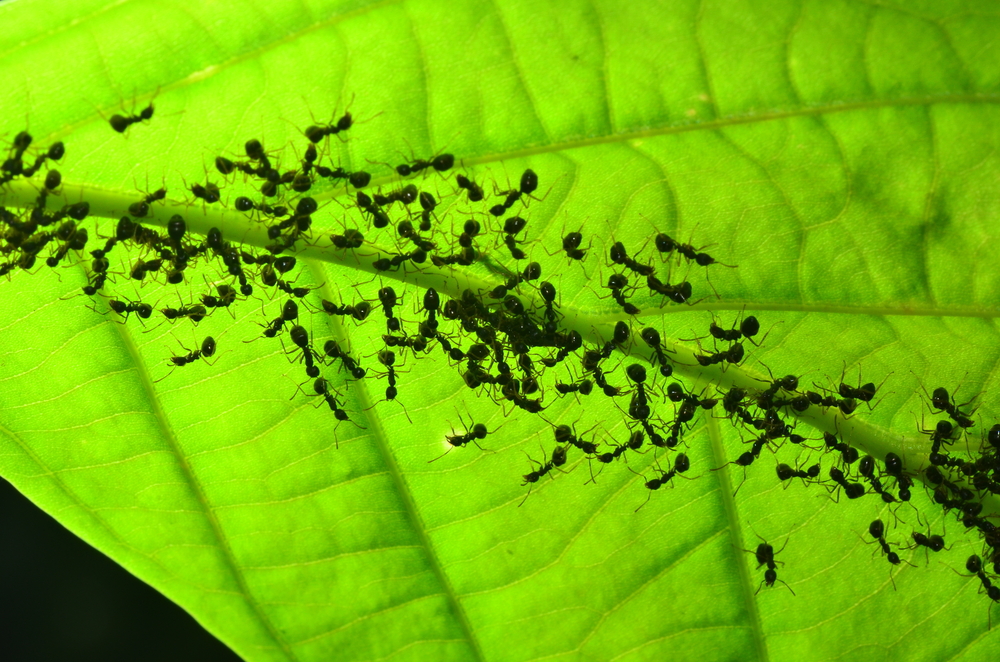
x,y
195,313
618,255
207,349
748,328
351,239
427,204
225,298
316,133
617,283
359,311
681,465
679,293
765,557
877,531
474,433
332,349
474,190
786,473
571,245
734,354
141,208
387,296
852,490
388,359
511,227
558,460
300,337
933,543
142,310
942,402
289,313
122,122
440,163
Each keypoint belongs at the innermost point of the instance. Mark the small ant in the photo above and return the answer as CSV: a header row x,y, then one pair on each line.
x,y
679,293
332,349
120,122
765,557
207,349
316,133
786,473
877,531
440,163
475,432
558,460
618,255
681,465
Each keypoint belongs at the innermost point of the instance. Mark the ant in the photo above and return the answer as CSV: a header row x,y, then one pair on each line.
x,y
852,490
351,239
864,392
748,328
618,255
388,359
332,349
387,296
786,473
358,311
511,227
474,190
877,531
195,313
571,245
300,337
440,163
732,355
427,204
226,297
941,401
289,313
141,208
142,310
866,468
679,293
681,465
529,182
765,557
120,122
558,460
617,283
207,349
475,432
934,543
316,133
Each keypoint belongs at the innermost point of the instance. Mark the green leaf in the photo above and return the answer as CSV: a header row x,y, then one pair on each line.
x,y
844,155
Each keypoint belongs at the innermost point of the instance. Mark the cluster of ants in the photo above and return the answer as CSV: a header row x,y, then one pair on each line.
x,y
502,341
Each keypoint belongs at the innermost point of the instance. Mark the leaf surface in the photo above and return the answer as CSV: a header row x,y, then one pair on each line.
x,y
843,154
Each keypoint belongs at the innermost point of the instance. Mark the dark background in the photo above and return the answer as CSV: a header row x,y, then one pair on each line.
x,y
63,600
